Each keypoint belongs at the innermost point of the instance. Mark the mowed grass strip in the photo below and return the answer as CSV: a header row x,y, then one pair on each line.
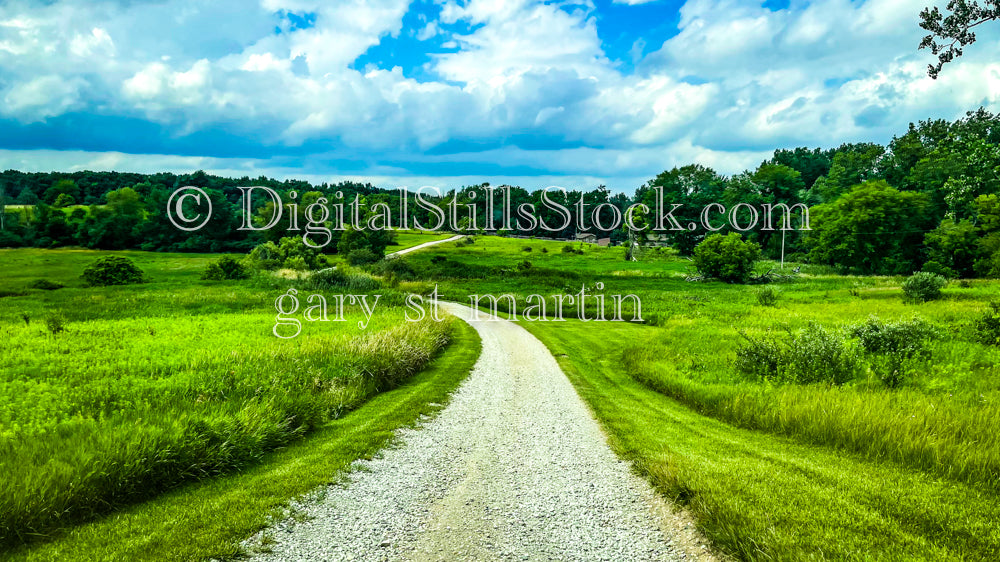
x,y
765,497
209,519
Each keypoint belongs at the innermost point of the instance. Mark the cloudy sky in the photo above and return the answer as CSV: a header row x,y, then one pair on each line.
x,y
446,93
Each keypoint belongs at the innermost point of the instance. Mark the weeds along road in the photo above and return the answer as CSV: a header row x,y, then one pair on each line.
x,y
514,468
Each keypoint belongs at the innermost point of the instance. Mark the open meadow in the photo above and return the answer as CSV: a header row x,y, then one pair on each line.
x,y
114,395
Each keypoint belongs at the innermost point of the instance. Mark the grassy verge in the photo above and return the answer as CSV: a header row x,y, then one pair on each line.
x,y
765,497
953,436
210,518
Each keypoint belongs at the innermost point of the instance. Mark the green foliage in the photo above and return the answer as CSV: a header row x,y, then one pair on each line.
x,y
395,268
265,256
987,325
64,200
727,258
953,249
890,345
923,286
811,355
361,256
767,295
46,285
226,268
112,270
872,229
905,337
55,323
343,278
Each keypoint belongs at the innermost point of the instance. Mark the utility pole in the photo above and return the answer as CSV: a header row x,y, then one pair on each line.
x,y
783,231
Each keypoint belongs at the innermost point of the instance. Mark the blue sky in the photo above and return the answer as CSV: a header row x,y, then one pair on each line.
x,y
449,93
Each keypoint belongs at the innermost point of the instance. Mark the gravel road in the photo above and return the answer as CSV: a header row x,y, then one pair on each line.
x,y
514,468
424,245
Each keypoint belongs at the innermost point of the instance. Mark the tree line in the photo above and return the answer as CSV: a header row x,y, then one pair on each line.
x,y
928,200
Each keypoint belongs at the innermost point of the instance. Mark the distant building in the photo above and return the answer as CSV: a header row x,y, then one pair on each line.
x,y
605,242
586,237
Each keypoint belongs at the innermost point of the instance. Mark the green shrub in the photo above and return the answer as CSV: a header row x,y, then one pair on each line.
x,y
890,344
297,263
905,336
46,285
438,259
524,266
396,268
329,278
767,295
361,256
987,326
726,258
112,270
55,323
343,278
923,286
265,256
544,250
568,249
526,249
760,358
226,267
811,355
818,355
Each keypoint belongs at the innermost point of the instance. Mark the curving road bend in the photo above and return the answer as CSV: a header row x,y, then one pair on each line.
x,y
514,468
424,245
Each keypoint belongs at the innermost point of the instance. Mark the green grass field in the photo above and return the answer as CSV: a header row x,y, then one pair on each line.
x,y
111,396
771,471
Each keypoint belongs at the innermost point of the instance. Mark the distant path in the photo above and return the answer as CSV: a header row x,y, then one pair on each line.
x,y
424,245
514,468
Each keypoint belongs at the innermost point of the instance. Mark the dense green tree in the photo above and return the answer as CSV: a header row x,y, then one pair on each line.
x,y
872,229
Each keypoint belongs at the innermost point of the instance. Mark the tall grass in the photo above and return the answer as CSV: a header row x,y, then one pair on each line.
x,y
93,436
143,388
953,436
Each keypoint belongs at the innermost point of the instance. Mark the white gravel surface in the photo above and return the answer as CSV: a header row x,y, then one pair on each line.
x,y
424,245
514,468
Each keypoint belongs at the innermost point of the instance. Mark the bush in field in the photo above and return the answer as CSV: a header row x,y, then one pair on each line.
x,y
905,336
987,326
297,255
923,286
890,344
821,355
361,256
767,295
343,278
55,323
265,256
290,253
226,267
726,258
526,249
396,268
112,270
760,358
46,285
811,355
